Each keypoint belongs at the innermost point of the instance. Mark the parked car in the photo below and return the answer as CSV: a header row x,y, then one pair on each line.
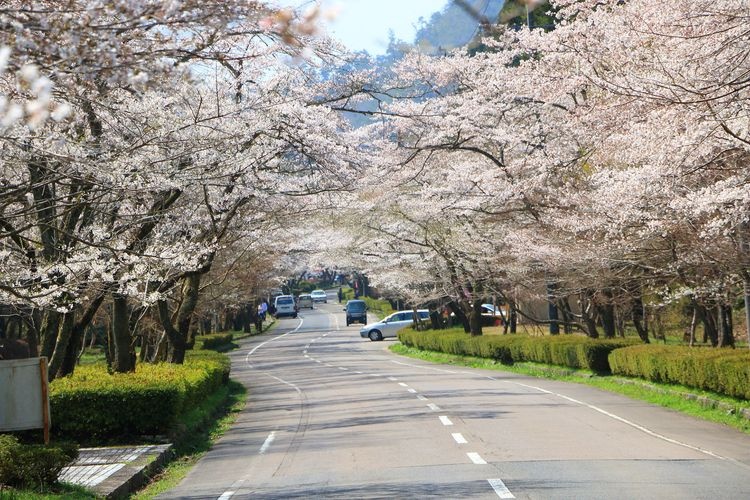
x,y
390,326
492,315
356,312
304,301
319,296
285,306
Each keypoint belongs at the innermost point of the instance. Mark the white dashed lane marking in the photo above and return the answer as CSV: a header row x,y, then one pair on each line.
x,y
445,420
459,438
433,407
474,457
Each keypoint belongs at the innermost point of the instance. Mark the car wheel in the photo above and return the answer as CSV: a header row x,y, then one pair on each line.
x,y
347,323
375,335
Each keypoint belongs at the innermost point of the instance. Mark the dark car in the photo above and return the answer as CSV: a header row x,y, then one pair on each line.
x,y
356,312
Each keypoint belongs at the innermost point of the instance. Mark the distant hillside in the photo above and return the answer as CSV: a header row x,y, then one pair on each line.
x,y
453,26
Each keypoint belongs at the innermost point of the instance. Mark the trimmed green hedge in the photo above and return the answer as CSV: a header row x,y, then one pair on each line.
x,y
719,370
33,466
214,340
573,351
94,406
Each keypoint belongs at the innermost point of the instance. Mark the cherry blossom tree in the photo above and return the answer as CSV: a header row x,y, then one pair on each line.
x,y
187,122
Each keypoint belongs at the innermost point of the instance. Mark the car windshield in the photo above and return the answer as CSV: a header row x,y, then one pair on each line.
x,y
355,306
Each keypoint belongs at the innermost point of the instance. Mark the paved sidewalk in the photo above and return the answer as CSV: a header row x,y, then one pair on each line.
x,y
115,472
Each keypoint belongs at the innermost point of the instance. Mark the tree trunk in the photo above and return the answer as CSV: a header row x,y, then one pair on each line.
x,y
77,338
460,315
71,353
32,331
475,318
567,315
638,319
50,327
710,331
746,289
724,324
178,336
606,310
552,312
124,354
61,345
693,323
587,307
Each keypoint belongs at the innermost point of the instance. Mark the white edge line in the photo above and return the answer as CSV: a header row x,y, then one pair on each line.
x,y
423,367
247,358
631,424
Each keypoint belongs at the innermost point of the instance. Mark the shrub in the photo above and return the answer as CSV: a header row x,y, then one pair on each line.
x,y
378,305
93,405
572,351
214,340
719,370
33,466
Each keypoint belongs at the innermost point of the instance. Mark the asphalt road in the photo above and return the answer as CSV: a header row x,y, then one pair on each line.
x,y
332,415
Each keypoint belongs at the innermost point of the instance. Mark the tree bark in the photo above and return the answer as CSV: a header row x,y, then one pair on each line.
x,y
693,323
475,318
606,311
460,315
587,306
710,331
552,312
638,319
50,326
726,337
64,333
178,336
123,360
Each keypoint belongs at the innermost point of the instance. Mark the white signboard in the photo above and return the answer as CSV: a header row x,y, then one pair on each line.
x,y
24,401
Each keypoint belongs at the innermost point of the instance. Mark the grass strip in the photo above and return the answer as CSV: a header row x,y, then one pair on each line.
x,y
199,430
701,404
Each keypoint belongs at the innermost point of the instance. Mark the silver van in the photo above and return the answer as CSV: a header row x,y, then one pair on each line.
x,y
285,306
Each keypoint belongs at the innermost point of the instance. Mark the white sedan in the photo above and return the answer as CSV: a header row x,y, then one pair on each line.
x,y
390,326
319,296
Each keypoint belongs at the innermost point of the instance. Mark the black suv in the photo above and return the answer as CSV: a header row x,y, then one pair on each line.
x,y
356,311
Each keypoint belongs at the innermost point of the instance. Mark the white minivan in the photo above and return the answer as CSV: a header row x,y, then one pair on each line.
x,y
285,306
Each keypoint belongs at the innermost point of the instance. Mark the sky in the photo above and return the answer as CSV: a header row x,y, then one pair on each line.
x,y
364,24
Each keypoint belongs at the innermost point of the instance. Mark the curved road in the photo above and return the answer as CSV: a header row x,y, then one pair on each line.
x,y
332,415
